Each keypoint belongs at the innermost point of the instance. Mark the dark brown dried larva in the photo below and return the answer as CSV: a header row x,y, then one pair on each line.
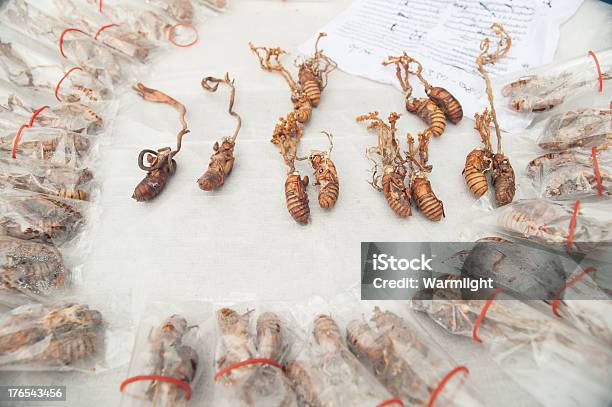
x,y
310,85
296,197
429,112
447,102
477,163
396,192
503,179
220,166
426,200
155,180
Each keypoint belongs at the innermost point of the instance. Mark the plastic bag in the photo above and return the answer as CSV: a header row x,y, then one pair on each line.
x,y
48,178
30,270
548,86
556,364
41,218
249,357
168,356
326,373
410,364
50,144
549,223
572,174
588,127
92,56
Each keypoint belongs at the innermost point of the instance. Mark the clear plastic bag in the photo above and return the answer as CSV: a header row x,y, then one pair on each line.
x,y
48,178
50,144
41,218
249,357
168,356
556,364
30,270
548,86
572,174
585,127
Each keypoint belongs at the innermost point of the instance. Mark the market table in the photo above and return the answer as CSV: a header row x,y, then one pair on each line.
x,y
240,242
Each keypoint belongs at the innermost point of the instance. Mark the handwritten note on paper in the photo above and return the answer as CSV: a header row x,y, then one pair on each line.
x,y
445,36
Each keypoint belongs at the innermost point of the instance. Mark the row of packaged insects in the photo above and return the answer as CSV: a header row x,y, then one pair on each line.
x,y
327,353
61,70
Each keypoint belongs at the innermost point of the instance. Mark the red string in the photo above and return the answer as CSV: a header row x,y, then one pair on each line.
x,y
483,313
100,5
23,127
599,76
252,361
182,24
59,83
572,226
597,173
173,380
61,40
443,382
390,402
556,299
104,27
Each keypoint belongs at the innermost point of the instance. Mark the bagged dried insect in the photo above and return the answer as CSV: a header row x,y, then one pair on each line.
x,y
168,357
30,271
48,178
161,162
59,336
550,360
249,360
546,87
393,182
38,217
577,128
326,373
50,144
222,159
325,174
413,367
482,160
572,174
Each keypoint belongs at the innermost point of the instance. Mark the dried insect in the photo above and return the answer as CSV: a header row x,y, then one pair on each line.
x,y
39,217
325,174
161,162
238,346
170,357
60,146
393,185
269,340
426,199
577,128
313,73
425,108
56,336
222,160
477,162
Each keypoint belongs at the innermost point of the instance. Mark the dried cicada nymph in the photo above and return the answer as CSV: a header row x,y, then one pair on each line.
x,y
313,73
57,336
393,183
222,160
161,162
325,174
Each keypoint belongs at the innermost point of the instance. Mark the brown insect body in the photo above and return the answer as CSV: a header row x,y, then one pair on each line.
x,y
447,102
220,166
310,85
397,193
429,112
302,107
296,197
477,164
155,180
503,179
269,339
426,200
327,177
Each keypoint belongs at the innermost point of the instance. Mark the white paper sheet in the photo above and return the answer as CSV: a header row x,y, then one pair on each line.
x,y
444,35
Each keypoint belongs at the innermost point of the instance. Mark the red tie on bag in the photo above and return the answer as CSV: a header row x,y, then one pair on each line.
x,y
572,227
23,127
167,379
555,302
599,75
444,381
59,83
252,361
483,313
61,39
172,35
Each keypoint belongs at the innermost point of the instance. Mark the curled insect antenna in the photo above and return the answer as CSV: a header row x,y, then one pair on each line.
x,y
504,43
270,61
482,124
206,84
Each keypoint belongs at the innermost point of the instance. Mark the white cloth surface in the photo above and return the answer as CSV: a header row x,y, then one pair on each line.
x,y
189,244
